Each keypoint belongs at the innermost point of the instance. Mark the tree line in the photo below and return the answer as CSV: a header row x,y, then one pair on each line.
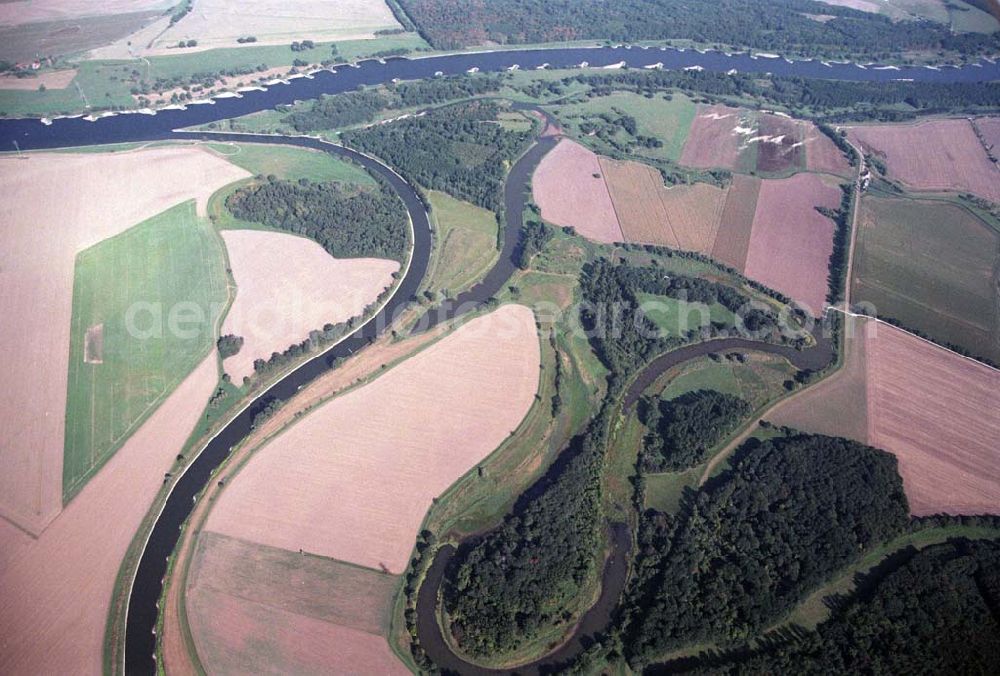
x,y
346,221
461,150
786,26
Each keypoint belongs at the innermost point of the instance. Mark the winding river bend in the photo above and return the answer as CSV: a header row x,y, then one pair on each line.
x,y
32,134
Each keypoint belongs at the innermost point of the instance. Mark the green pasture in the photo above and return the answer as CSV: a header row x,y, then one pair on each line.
x,y
465,243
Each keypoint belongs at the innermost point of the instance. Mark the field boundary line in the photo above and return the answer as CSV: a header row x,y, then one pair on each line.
x,y
848,313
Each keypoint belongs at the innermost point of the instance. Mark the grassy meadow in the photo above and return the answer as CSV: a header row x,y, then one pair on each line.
x,y
465,244
157,291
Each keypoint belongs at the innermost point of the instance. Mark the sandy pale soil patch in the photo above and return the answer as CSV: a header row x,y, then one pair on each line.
x,y
21,12
715,139
233,586
57,589
838,405
353,479
791,242
52,206
570,189
937,412
936,155
52,79
733,238
680,217
219,23
278,304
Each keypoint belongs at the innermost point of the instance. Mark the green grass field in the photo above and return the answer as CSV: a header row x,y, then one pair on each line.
x,y
931,265
291,163
158,291
465,244
666,120
676,317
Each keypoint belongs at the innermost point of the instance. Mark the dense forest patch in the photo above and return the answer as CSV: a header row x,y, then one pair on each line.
x,y
347,222
937,613
684,429
775,25
752,542
461,150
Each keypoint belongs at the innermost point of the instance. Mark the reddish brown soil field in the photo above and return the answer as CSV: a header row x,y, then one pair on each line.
x,y
791,242
680,217
233,586
937,412
780,145
53,207
823,155
569,187
713,140
278,304
733,239
371,461
57,588
939,155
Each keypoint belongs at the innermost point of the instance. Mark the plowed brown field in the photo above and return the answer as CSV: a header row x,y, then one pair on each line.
x,y
822,155
733,239
680,217
937,412
939,155
713,140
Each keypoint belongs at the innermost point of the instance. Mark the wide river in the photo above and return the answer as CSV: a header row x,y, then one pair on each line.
x,y
30,134
76,131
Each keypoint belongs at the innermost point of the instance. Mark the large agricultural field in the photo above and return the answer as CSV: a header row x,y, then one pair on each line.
x,y
933,266
50,216
791,242
250,605
930,407
278,304
58,586
571,191
936,156
408,436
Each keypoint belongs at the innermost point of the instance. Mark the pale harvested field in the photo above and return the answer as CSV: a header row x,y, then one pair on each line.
x,y
21,12
52,207
371,461
570,189
838,405
218,23
681,217
262,639
252,581
823,155
937,412
733,238
714,139
278,304
57,589
791,242
52,79
939,155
